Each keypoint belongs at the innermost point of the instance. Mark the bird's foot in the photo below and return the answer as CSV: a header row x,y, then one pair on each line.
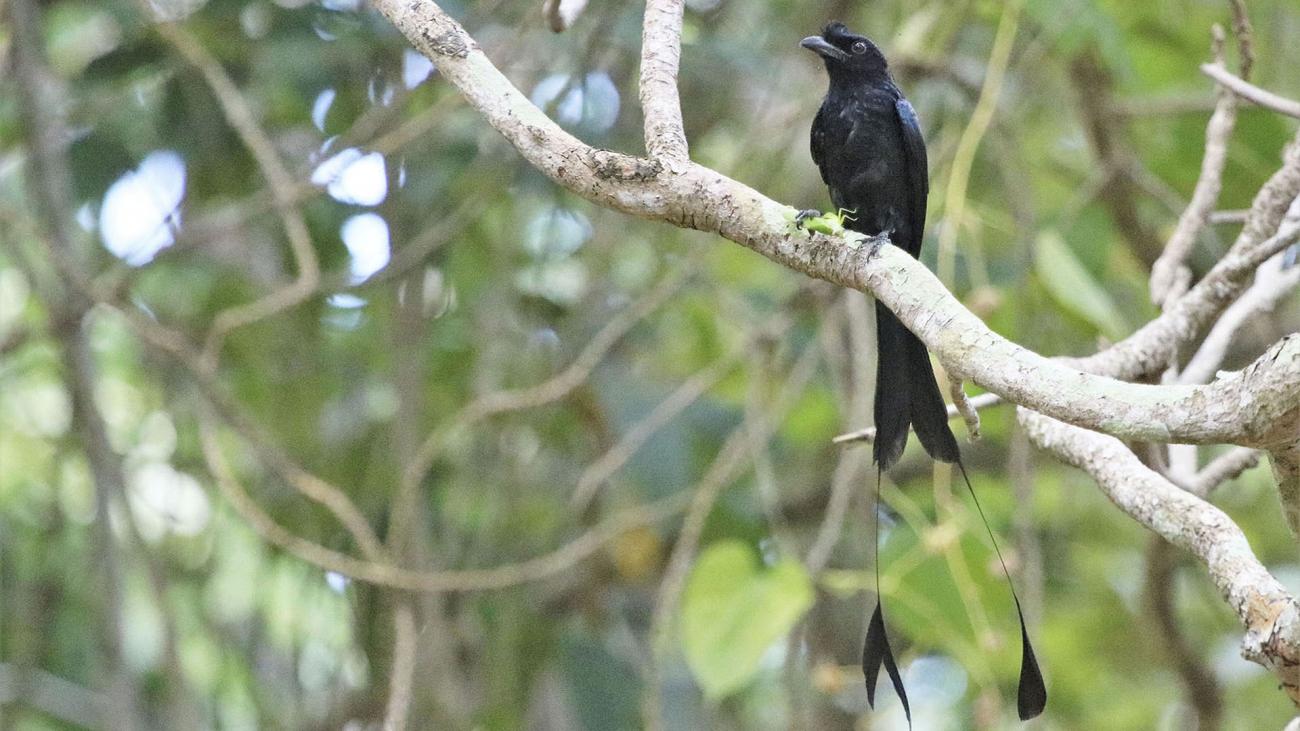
x,y
877,242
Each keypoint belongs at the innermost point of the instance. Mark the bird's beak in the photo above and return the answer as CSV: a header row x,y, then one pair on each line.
x,y
823,48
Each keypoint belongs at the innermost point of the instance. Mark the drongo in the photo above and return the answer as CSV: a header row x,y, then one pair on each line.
x,y
867,143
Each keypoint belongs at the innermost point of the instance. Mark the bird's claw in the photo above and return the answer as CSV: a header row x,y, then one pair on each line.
x,y
875,243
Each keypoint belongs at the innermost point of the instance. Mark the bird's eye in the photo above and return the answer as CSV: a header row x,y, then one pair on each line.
x,y
860,48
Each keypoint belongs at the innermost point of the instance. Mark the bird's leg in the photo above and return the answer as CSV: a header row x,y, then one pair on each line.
x,y
878,241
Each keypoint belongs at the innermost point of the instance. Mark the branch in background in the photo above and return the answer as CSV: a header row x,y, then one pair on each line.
x,y
110,490
1245,34
398,706
49,185
595,475
205,228
437,229
560,14
1203,691
306,483
542,567
661,50
240,117
1250,92
1152,347
1224,468
856,396
15,338
1272,285
553,389
1170,276
1107,135
724,470
1265,609
956,194
48,693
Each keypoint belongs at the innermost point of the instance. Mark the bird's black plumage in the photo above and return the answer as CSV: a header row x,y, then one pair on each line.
x,y
867,143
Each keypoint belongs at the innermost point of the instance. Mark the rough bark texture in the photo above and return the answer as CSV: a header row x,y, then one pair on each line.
x,y
1269,614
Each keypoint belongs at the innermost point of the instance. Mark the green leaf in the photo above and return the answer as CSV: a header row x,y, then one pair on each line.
x,y
732,612
1074,287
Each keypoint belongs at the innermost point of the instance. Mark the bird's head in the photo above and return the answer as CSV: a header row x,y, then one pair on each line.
x,y
847,54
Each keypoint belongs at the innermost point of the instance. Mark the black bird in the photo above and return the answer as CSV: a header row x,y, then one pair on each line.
x,y
867,143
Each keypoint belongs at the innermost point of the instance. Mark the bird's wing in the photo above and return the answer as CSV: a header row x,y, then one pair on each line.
x,y
917,170
818,145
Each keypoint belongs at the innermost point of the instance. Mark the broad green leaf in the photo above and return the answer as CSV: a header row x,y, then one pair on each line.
x,y
1074,287
732,612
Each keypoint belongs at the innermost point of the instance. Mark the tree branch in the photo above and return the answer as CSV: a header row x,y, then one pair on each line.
x,y
398,707
1272,285
560,14
548,391
697,197
595,475
1153,346
661,50
1221,469
1203,690
1169,275
541,567
283,187
1250,92
721,473
1265,609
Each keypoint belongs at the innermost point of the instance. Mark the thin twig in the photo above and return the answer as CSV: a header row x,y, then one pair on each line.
x,y
954,201
398,706
1245,35
1224,468
560,14
240,116
704,495
1169,274
542,567
551,390
982,401
1272,285
1203,691
1250,92
966,407
595,475
1237,216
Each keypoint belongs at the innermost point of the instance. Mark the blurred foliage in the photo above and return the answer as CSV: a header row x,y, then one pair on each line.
x,y
514,278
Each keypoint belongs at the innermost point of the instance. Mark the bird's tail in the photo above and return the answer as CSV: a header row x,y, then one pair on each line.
x,y
907,394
